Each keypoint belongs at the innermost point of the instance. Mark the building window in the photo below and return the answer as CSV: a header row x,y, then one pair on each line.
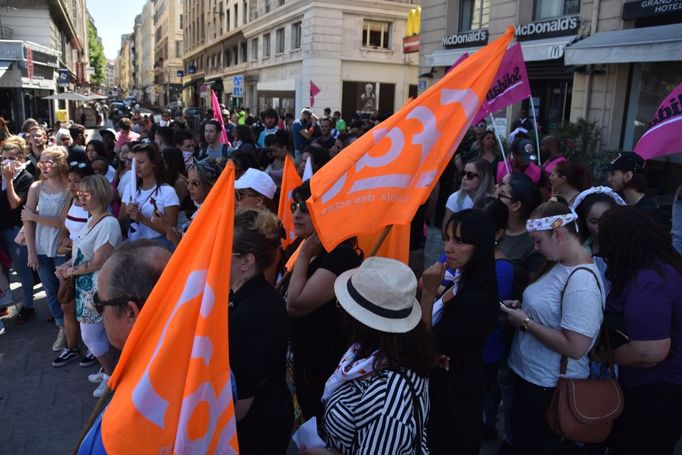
x,y
279,41
473,14
267,6
266,45
235,54
547,9
376,34
281,2
296,35
254,49
178,49
227,19
180,22
236,15
242,48
245,13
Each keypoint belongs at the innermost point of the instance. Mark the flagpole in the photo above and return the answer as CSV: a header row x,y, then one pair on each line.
x,y
93,416
535,129
499,141
380,240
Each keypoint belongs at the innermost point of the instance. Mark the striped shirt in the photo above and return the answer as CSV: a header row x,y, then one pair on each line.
x,y
376,415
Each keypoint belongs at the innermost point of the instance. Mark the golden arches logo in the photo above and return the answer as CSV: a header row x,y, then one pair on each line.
x,y
413,22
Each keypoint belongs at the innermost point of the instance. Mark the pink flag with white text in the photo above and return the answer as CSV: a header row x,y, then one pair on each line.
x,y
509,86
663,136
218,115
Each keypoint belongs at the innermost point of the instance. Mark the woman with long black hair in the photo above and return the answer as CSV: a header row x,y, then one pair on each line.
x,y
645,303
461,319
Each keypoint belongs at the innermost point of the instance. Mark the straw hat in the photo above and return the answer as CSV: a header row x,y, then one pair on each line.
x,y
381,294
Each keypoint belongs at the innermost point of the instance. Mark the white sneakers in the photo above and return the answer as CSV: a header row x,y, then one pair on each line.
x,y
99,391
96,378
60,343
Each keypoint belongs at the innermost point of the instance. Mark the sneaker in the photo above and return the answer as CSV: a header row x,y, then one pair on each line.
x,y
96,378
25,315
99,391
65,357
88,359
60,342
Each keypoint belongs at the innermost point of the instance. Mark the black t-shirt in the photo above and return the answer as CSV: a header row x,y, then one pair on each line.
x,y
647,205
12,217
317,339
258,348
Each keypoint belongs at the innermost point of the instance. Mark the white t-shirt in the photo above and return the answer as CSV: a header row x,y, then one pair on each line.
x,y
111,174
581,312
92,238
123,183
455,205
164,195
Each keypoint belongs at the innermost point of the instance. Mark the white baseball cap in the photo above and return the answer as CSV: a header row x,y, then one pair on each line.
x,y
258,181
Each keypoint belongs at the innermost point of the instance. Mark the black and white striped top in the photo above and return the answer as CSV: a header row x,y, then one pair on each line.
x,y
376,415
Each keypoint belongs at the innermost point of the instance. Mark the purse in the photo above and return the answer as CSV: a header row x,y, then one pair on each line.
x,y
67,291
583,410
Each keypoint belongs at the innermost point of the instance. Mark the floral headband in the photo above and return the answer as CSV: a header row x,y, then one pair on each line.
x,y
597,189
551,222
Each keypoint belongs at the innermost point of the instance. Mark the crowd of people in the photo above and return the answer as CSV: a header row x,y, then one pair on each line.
x,y
388,357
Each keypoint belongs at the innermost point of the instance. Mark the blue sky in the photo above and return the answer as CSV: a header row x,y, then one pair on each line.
x,y
113,18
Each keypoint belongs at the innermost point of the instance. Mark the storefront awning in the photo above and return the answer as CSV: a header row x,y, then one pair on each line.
x,y
650,44
284,85
447,57
4,66
545,49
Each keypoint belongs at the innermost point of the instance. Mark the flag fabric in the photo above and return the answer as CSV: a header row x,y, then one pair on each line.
x,y
308,170
290,180
510,84
314,90
663,136
459,60
385,175
218,115
172,390
395,246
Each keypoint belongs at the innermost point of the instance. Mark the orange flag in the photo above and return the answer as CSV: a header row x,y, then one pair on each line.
x,y
172,388
290,180
384,176
395,246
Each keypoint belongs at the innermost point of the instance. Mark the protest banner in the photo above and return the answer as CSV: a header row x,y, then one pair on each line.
x,y
509,86
290,180
663,138
384,176
218,116
172,383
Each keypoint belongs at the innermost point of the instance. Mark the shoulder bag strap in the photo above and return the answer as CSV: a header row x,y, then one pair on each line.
x,y
564,359
417,447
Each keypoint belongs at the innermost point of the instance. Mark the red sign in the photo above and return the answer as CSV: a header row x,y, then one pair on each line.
x,y
29,62
411,44
80,72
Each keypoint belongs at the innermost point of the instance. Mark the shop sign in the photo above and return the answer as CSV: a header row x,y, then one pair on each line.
x,y
29,62
411,44
561,26
63,77
647,8
180,73
466,39
238,86
80,72
191,69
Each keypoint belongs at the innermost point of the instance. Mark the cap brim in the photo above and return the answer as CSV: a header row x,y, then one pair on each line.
x,y
368,318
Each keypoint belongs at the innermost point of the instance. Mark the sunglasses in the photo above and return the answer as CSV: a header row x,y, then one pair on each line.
x,y
77,165
100,304
241,195
470,175
194,183
299,206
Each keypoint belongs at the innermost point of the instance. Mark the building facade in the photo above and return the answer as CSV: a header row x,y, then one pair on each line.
x,y
43,49
168,49
271,53
147,53
123,66
607,61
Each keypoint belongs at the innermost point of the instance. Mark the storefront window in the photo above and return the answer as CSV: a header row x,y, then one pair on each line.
x,y
548,9
473,14
650,83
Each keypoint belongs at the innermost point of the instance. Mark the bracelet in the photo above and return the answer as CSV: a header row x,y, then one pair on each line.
x,y
524,324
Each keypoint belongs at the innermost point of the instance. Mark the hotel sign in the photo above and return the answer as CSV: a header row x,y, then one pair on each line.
x,y
648,8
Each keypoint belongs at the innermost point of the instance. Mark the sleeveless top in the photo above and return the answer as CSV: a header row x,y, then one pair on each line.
x,y
75,220
46,236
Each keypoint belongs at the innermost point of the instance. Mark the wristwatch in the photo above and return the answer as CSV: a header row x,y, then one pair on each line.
x,y
524,324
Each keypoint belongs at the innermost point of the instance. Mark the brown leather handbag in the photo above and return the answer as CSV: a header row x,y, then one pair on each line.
x,y
583,410
67,291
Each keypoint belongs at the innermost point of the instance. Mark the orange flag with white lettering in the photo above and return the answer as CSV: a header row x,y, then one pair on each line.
x,y
385,175
395,246
290,181
172,387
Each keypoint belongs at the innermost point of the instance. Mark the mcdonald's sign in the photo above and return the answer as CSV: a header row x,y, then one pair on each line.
x,y
411,38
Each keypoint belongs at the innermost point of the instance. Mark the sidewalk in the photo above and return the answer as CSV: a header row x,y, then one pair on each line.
x,y
42,409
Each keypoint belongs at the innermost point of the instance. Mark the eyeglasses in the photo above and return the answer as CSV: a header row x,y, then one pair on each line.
x,y
504,196
194,183
299,206
470,175
83,194
240,195
100,304
48,163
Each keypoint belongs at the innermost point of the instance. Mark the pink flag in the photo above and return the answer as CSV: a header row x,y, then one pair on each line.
x,y
218,115
314,90
510,84
459,60
663,135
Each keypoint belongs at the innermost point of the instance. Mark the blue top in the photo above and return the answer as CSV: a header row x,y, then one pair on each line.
x,y
677,225
494,349
299,141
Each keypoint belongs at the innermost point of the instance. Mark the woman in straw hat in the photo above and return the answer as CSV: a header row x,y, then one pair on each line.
x,y
377,400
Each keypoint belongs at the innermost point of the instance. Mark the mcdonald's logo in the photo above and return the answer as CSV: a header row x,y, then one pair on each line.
x,y
413,22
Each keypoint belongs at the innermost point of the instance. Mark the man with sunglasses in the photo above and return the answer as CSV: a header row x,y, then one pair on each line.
x,y
123,285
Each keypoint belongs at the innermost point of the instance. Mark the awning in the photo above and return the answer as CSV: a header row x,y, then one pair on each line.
x,y
284,85
650,44
447,57
4,66
545,49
